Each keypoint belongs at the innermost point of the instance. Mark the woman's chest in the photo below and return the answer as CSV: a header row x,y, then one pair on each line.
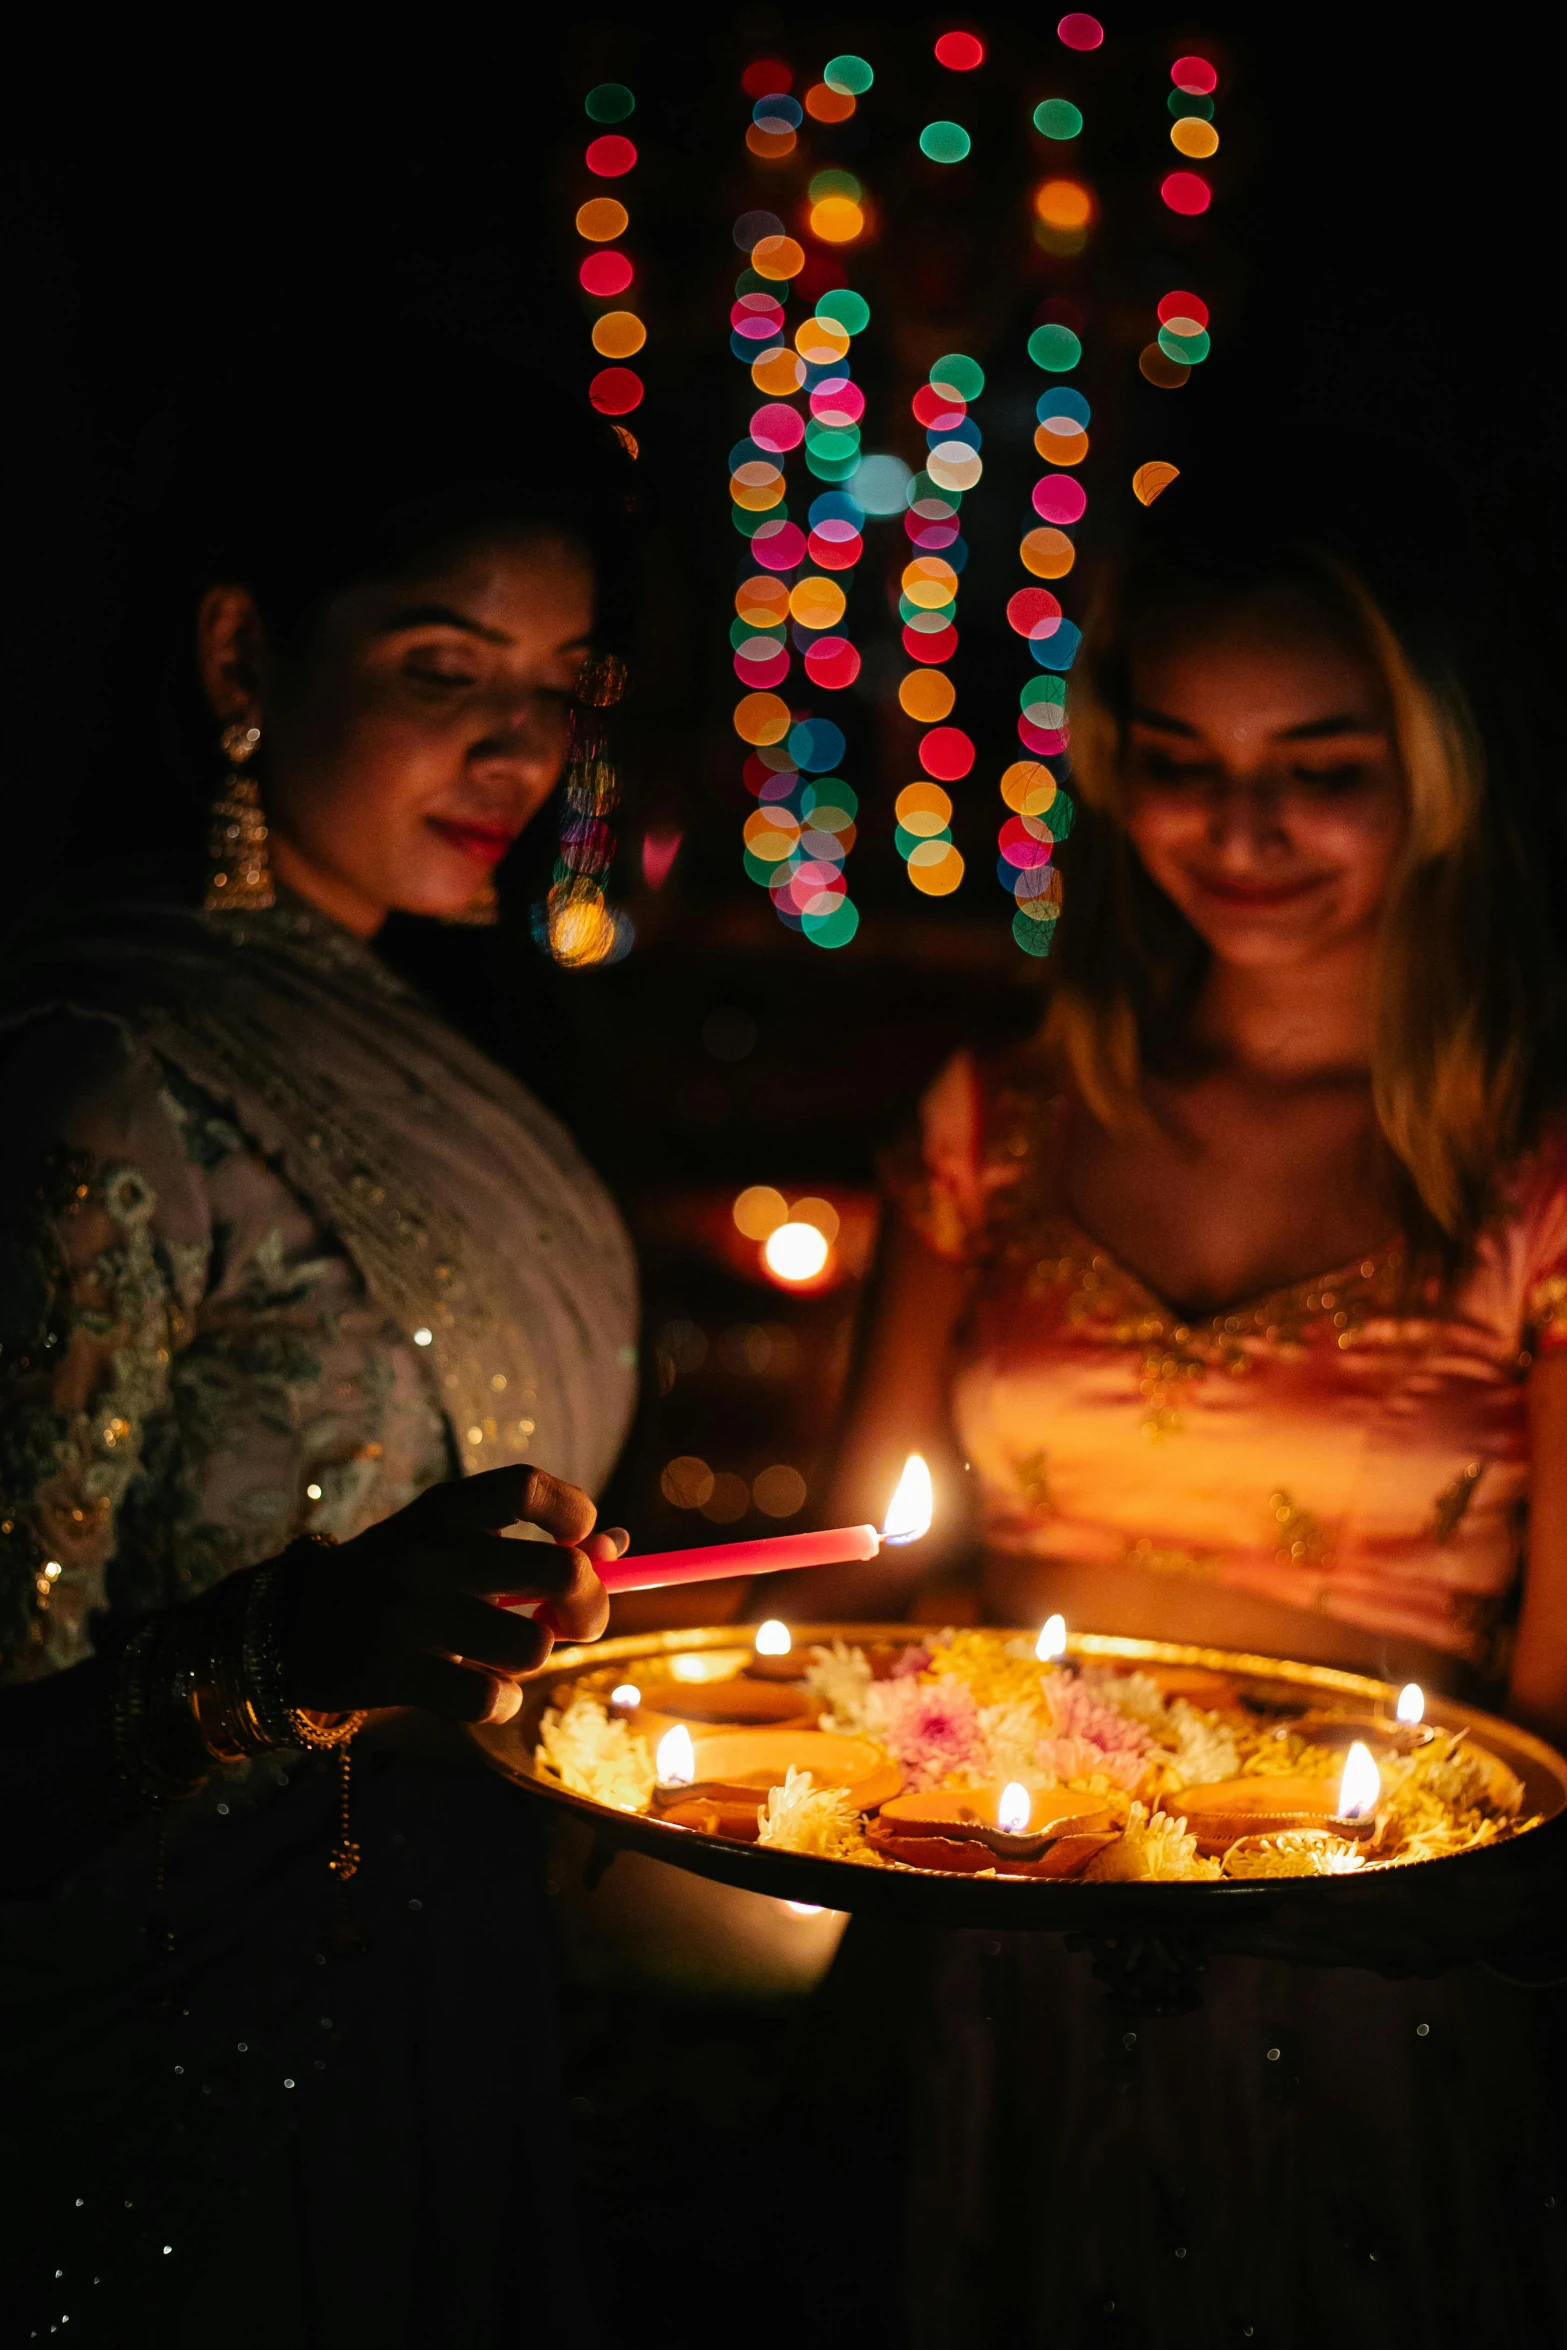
x,y
1225,1192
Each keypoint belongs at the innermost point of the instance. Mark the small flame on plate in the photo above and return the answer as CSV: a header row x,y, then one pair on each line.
x,y
773,1638
1361,1786
675,1761
1052,1639
627,1695
1411,1706
913,1505
1012,1812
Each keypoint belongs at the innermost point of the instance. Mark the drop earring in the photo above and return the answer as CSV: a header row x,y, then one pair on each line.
x,y
240,876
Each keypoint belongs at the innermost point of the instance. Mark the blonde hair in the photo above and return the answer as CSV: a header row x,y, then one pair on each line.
x,y
1458,1007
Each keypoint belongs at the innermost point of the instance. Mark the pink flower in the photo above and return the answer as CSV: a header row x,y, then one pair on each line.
x,y
910,1662
1081,1758
1077,1713
932,1727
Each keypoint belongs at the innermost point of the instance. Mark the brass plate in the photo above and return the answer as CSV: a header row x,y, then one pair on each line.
x,y
1413,1919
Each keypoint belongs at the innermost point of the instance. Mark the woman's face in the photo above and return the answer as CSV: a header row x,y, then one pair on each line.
x,y
424,724
1263,791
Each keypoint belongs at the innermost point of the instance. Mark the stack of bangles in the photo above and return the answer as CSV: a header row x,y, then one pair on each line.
x,y
207,1684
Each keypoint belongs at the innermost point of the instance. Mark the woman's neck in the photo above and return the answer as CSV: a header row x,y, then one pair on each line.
x,y
1291,1020
326,891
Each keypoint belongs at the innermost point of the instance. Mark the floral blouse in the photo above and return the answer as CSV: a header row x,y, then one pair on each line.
x,y
208,1345
1336,1445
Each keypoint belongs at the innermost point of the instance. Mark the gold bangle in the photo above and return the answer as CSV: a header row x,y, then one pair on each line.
x,y
266,1666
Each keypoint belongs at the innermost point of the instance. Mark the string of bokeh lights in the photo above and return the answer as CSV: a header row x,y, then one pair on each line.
x,y
576,924
794,584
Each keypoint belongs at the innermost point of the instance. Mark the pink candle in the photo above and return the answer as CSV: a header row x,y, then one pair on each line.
x,y
710,1565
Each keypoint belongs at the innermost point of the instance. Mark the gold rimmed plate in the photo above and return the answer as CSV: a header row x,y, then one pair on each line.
x,y
1415,1918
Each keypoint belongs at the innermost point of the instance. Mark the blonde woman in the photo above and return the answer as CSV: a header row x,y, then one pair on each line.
x,y
1237,1307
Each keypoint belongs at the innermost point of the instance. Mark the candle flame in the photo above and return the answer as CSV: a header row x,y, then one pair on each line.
x,y
1412,1703
1012,1812
1361,1786
1052,1639
795,1252
773,1638
675,1761
627,1694
912,1507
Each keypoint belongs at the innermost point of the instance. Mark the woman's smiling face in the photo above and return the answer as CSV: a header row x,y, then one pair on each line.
x,y
1262,785
423,724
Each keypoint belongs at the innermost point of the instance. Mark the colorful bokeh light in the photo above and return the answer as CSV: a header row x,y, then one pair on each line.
x,y
1152,479
604,275
1194,75
960,52
1187,193
601,219
1058,118
609,102
1079,31
610,157
945,142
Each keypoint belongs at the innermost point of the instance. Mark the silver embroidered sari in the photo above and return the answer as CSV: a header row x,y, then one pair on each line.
x,y
279,1249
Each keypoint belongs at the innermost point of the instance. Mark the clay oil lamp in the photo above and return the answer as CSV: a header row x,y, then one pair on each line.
x,y
718,1780
777,1658
966,1829
1221,1814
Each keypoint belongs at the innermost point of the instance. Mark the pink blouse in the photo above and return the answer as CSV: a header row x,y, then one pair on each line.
x,y
1325,1446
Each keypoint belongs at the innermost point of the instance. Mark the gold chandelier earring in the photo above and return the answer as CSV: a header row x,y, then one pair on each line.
x,y
240,879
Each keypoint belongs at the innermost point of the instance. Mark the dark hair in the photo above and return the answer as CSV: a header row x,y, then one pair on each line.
x,y
1469,1015
344,469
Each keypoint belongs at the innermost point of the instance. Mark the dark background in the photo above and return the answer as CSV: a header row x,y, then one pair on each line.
x,y
1383,255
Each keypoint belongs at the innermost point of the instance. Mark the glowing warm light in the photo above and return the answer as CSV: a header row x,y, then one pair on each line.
x,y
759,1211
1360,1788
912,1506
1411,1703
773,1638
601,219
777,257
804,1909
838,220
615,391
1014,1808
675,1761
618,334
1157,367
611,157
828,105
925,694
659,851
582,928
1052,1639
936,869
1064,204
819,1212
626,1694
1152,479
795,1252
1194,137
1080,31
1048,554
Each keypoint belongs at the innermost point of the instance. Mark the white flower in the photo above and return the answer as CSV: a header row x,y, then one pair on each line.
x,y
799,1816
595,1756
1151,1847
1205,1752
840,1680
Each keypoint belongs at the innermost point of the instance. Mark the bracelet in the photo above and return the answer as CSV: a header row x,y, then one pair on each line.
x,y
208,1684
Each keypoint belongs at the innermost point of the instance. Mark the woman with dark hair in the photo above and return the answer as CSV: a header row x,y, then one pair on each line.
x,y
1240,1294
294,1285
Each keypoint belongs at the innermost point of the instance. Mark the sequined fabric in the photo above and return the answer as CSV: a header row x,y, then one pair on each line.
x,y
1339,1445
277,1250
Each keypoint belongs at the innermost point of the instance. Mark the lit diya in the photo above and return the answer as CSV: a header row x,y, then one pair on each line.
x,y
1008,1829
718,1780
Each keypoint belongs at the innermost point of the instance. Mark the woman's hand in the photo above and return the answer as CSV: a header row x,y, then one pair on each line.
x,y
403,1614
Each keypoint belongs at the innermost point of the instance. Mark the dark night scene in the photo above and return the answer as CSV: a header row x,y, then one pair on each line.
x,y
783,1197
